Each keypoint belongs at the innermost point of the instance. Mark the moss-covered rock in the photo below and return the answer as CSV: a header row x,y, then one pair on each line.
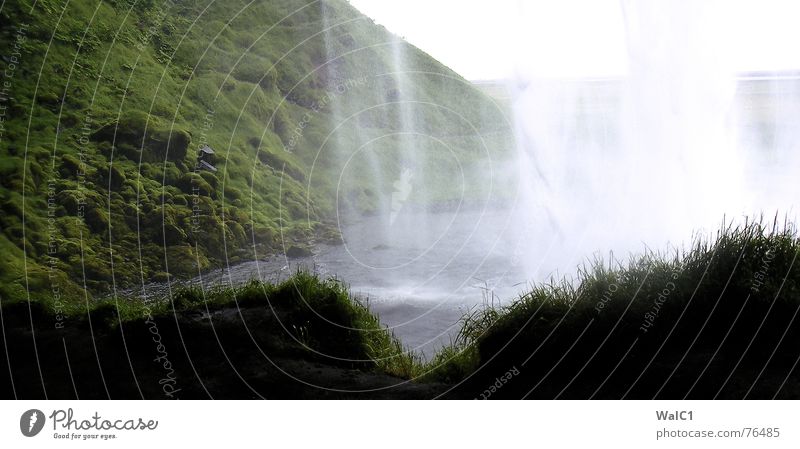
x,y
236,231
183,260
71,200
161,276
295,252
173,235
113,176
97,219
172,174
96,268
195,184
141,137
71,166
210,178
264,235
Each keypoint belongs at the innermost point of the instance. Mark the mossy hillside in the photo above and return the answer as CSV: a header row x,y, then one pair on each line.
x,y
110,101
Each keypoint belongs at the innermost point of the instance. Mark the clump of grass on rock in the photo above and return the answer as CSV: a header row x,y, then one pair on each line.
x,y
714,320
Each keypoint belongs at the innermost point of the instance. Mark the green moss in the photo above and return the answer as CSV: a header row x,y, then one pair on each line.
x,y
236,231
126,134
211,179
97,219
71,166
142,137
193,183
183,260
172,174
113,176
173,235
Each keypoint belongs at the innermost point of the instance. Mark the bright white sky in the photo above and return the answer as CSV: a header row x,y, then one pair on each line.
x,y
490,39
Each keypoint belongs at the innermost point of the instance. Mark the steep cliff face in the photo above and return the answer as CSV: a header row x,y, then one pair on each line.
x,y
106,104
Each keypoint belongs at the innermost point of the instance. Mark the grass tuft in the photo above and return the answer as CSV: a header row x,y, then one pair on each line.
x,y
722,293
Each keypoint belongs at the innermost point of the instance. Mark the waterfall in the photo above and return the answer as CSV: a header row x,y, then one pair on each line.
x,y
667,146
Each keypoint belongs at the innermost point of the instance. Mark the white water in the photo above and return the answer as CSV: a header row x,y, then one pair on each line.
x,y
663,151
613,164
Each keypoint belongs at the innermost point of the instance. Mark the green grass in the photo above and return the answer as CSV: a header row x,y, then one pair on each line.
x,y
726,304
709,297
319,313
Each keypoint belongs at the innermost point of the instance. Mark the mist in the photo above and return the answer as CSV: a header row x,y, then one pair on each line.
x,y
650,158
